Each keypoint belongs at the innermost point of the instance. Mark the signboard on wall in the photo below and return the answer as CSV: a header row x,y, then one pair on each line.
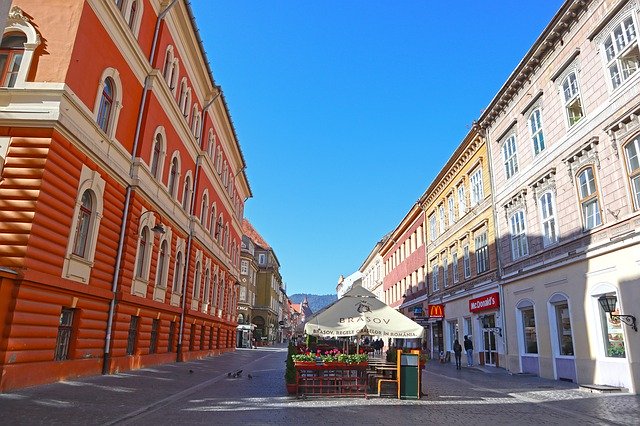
x,y
436,311
485,303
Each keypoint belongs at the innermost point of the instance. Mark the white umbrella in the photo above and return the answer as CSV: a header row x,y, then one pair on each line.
x,y
360,312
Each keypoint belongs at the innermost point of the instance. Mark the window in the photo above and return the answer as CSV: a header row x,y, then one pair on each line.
x,y
621,52
477,191
632,150
535,129
83,225
153,342
589,199
168,65
445,272
131,21
144,250
182,96
614,345
163,258
572,102
510,156
132,336
529,330
172,335
65,330
482,253
454,266
434,275
563,327
262,259
462,201
442,222
451,203
519,246
173,177
548,218
244,267
177,274
156,156
196,281
11,53
218,235
466,262
207,286
106,105
186,190
204,208
433,229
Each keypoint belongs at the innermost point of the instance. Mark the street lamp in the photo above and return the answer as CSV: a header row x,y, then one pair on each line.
x,y
158,229
608,303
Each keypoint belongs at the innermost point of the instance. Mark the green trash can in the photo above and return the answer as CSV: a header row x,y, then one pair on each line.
x,y
409,375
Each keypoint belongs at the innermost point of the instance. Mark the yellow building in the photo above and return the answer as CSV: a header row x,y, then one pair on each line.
x,y
462,283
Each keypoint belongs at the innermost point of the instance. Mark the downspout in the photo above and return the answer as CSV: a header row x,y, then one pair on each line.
x,y
487,142
185,277
127,199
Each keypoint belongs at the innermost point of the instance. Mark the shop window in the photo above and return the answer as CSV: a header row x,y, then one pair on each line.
x,y
529,330
563,327
613,336
65,334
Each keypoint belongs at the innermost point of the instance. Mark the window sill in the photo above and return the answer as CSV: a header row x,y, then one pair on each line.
x,y
77,268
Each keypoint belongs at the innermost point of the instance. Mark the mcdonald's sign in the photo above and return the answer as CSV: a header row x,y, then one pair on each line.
x,y
436,311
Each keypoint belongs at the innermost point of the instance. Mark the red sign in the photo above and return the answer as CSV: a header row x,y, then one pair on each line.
x,y
436,311
485,303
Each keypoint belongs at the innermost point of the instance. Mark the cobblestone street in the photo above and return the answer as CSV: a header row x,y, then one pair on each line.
x,y
202,393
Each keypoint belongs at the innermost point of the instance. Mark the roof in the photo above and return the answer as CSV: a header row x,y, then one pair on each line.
x,y
250,231
296,307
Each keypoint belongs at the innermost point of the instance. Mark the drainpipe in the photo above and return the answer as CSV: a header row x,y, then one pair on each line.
x,y
127,200
487,142
185,277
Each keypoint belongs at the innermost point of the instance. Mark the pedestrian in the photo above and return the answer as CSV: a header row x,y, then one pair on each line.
x,y
457,351
468,348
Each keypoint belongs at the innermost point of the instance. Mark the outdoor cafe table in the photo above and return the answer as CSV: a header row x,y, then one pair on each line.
x,y
331,379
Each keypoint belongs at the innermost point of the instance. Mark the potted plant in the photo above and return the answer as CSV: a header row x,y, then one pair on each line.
x,y
290,371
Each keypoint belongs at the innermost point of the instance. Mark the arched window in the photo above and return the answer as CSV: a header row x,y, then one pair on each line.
x,y
203,210
120,4
155,156
182,95
82,226
11,53
132,15
207,286
161,278
196,281
187,102
218,235
173,177
177,274
143,250
167,70
212,221
215,291
106,104
221,298
226,238
211,146
175,72
185,193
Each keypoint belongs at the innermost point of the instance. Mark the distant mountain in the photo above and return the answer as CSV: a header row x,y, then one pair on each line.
x,y
316,302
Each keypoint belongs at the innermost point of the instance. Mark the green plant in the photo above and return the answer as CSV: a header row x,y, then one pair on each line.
x,y
392,355
353,358
303,357
290,370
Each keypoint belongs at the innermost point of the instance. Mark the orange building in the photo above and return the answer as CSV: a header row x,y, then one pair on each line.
x,y
122,189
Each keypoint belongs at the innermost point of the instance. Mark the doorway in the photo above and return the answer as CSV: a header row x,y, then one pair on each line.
x,y
490,349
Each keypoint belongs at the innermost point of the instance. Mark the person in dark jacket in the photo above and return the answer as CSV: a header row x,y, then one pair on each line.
x,y
468,348
457,351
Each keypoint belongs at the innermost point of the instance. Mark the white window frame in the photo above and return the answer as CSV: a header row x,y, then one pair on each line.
x,y
482,252
618,47
510,156
571,97
116,105
466,261
548,220
17,21
589,199
433,227
244,267
454,266
633,169
442,221
477,190
452,210
518,230
445,272
462,200
435,271
536,130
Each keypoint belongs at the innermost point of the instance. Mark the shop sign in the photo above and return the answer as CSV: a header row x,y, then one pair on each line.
x,y
436,311
485,303
417,311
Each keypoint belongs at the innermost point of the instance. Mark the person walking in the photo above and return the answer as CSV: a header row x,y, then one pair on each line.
x,y
468,348
457,351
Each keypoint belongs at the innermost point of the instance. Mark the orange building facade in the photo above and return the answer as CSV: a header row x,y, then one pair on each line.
x,y
122,189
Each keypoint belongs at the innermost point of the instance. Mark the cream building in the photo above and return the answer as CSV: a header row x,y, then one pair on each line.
x,y
564,139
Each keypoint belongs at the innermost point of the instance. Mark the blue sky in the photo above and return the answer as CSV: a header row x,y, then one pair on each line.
x,y
346,110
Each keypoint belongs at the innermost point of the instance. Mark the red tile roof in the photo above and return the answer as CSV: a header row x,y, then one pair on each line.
x,y
250,231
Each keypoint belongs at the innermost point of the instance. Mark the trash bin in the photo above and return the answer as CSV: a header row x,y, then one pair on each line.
x,y
409,386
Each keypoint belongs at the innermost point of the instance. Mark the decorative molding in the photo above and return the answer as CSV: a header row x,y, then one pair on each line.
x,y
610,20
517,202
585,154
534,100
624,127
543,183
566,66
